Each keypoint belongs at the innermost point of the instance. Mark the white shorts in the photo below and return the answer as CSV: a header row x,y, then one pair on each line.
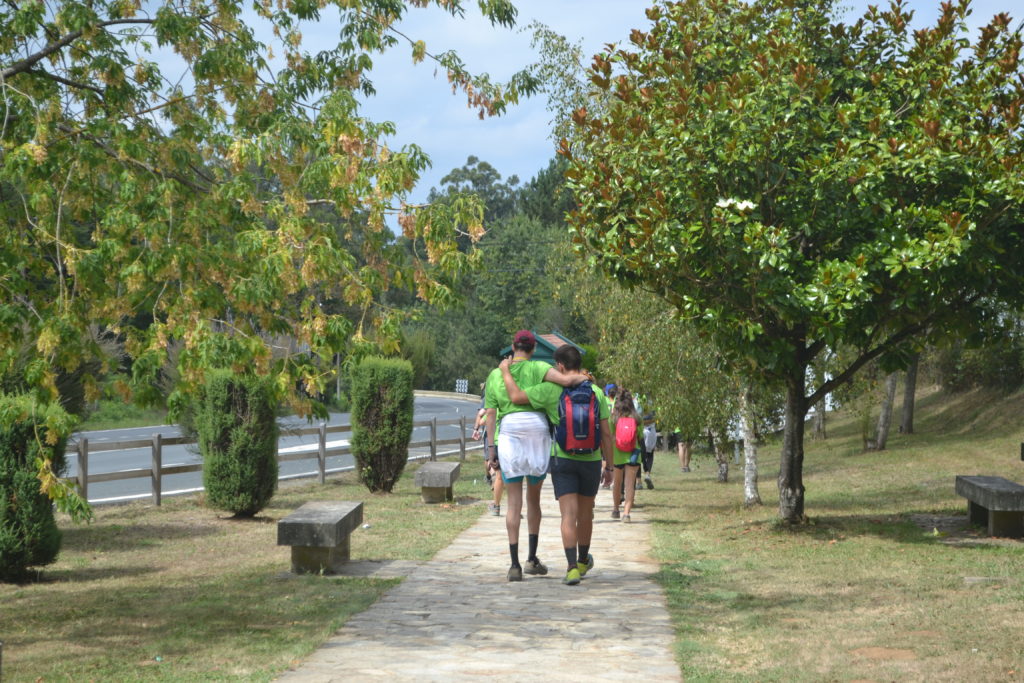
x,y
524,445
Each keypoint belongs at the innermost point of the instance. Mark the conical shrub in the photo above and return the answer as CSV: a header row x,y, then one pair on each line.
x,y
237,427
29,536
382,411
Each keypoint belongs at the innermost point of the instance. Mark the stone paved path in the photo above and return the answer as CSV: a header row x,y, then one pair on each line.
x,y
456,618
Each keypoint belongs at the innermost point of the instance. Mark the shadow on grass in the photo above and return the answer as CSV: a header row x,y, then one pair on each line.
x,y
90,574
249,623
898,527
119,537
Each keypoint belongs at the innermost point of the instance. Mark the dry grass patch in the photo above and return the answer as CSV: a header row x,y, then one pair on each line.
x,y
182,592
887,582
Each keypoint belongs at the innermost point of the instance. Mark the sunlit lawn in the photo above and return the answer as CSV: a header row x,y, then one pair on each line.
x,y
884,584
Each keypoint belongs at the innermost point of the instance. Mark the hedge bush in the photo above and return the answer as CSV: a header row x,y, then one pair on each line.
x,y
382,409
29,536
237,427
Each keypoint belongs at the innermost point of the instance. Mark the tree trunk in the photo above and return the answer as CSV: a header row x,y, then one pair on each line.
x,y
791,467
909,393
721,457
751,496
819,420
885,417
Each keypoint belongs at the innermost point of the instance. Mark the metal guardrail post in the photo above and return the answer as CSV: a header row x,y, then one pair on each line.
x,y
321,453
83,467
156,475
433,438
462,439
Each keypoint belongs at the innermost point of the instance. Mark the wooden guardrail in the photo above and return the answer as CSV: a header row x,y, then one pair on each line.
x,y
157,470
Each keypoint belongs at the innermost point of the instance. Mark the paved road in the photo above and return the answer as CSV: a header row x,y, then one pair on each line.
x,y
456,619
426,408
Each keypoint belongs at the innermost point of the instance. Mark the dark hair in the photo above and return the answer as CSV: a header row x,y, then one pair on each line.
x,y
623,406
524,345
569,356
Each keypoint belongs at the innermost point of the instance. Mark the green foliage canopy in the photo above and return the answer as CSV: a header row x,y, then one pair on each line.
x,y
792,183
203,210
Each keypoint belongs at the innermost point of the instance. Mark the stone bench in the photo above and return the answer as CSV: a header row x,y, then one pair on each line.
x,y
436,479
994,502
318,533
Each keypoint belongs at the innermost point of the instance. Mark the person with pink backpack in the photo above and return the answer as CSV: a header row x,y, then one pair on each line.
x,y
626,425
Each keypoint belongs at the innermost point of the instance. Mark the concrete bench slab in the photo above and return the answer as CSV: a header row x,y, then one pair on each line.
x,y
436,480
318,533
995,503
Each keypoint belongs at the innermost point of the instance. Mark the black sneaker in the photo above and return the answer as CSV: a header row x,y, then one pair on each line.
x,y
515,573
535,567
650,484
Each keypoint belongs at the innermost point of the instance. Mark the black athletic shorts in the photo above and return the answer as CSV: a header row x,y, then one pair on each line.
x,y
575,476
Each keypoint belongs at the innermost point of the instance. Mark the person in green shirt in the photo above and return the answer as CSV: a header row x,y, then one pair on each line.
x,y
575,478
523,441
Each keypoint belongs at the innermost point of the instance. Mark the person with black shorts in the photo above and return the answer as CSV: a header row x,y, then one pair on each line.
x,y
575,478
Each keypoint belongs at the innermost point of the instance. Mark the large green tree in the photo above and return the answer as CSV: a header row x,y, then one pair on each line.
x,y
791,182
175,172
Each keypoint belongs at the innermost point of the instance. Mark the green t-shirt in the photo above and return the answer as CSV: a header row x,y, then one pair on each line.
x,y
526,373
545,395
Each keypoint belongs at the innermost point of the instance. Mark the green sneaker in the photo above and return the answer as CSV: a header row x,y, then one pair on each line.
x,y
585,567
572,577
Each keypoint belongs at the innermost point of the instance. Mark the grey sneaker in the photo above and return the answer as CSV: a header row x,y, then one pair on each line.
x,y
495,510
615,514
650,484
515,573
535,567
625,519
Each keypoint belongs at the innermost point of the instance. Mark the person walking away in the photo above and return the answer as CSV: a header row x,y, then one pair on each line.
x,y
576,467
609,400
491,473
521,447
650,442
625,425
682,450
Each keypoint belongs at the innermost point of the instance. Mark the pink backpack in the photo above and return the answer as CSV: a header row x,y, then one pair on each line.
x,y
625,434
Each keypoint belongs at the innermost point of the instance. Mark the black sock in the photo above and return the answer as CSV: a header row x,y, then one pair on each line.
x,y
533,547
570,554
584,553
513,550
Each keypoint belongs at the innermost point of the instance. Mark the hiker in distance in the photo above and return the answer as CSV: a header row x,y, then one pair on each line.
x,y
583,440
521,446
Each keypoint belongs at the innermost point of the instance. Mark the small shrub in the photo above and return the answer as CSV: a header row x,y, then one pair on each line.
x,y
382,410
29,536
237,428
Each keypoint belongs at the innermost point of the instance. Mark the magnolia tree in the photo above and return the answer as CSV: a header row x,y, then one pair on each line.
x,y
173,177
791,183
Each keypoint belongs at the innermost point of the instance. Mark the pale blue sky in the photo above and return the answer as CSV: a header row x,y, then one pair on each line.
x,y
426,113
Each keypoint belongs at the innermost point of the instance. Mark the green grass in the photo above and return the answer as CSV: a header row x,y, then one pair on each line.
x,y
869,589
184,593
119,415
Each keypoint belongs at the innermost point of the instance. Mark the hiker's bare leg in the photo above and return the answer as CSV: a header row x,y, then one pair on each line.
x,y
584,520
631,472
533,513
514,512
568,507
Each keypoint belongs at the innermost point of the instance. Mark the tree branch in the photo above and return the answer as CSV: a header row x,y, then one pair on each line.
x,y
135,162
30,61
65,81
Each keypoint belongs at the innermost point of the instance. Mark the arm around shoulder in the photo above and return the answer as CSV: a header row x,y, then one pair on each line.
x,y
515,394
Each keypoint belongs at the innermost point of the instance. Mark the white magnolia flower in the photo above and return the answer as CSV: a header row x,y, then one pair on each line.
x,y
744,205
